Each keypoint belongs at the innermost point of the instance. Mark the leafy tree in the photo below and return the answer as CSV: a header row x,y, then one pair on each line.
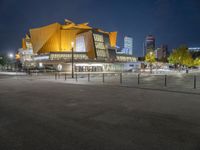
x,y
2,60
150,58
197,61
181,56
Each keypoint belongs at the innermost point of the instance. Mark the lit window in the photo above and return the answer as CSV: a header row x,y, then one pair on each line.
x,y
80,44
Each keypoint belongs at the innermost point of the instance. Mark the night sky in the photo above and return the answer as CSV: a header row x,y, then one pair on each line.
x,y
173,22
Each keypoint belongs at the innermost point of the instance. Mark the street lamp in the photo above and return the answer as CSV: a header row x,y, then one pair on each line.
x,y
151,53
72,44
11,55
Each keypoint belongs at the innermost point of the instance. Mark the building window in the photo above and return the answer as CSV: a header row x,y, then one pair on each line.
x,y
80,44
100,46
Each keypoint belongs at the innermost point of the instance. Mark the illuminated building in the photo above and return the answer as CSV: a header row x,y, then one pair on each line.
x,y
162,52
128,45
195,52
149,44
194,49
52,45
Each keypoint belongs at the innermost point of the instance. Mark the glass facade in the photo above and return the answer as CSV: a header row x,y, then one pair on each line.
x,y
80,44
128,44
100,46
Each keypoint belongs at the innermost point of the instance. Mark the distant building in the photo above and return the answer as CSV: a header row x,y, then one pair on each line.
x,y
194,49
149,44
162,52
128,45
164,49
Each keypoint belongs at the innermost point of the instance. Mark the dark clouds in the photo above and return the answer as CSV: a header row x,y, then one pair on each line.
x,y
173,22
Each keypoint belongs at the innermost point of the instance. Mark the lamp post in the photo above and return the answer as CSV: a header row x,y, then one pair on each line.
x,y
72,44
151,53
11,56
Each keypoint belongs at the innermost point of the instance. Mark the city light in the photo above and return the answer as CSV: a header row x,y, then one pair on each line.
x,y
72,43
10,55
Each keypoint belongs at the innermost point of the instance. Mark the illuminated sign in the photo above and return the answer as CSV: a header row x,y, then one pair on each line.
x,y
68,56
124,58
36,58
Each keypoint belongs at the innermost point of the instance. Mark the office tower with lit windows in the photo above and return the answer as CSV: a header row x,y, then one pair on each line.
x,y
128,45
149,44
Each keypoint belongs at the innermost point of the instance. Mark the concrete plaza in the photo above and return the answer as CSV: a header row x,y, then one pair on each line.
x,y
40,114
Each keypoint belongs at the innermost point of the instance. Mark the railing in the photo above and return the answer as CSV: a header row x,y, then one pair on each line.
x,y
173,82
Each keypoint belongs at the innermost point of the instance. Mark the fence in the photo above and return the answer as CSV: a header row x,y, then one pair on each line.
x,y
176,81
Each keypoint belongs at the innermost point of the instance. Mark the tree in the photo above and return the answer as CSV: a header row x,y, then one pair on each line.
x,y
181,57
197,62
150,58
3,61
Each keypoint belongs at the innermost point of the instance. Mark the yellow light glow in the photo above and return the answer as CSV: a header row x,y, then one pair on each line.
x,y
72,43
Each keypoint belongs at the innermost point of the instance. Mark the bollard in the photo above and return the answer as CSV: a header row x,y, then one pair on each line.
x,y
138,79
55,76
103,78
76,77
120,78
165,80
88,77
65,76
195,82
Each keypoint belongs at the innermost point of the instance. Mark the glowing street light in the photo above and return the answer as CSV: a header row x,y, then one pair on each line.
x,y
72,44
10,62
11,55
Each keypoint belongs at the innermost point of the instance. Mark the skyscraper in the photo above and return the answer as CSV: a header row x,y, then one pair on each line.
x,y
128,45
149,44
162,52
164,49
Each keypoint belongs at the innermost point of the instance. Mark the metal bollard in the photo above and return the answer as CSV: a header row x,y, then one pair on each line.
x,y
195,82
165,80
120,78
55,76
138,79
65,76
88,77
76,77
103,78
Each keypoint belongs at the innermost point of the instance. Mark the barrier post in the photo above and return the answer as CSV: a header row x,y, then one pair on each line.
x,y
138,79
120,78
165,80
88,77
55,76
195,82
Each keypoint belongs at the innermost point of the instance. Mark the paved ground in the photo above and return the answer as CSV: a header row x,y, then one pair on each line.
x,y
45,115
